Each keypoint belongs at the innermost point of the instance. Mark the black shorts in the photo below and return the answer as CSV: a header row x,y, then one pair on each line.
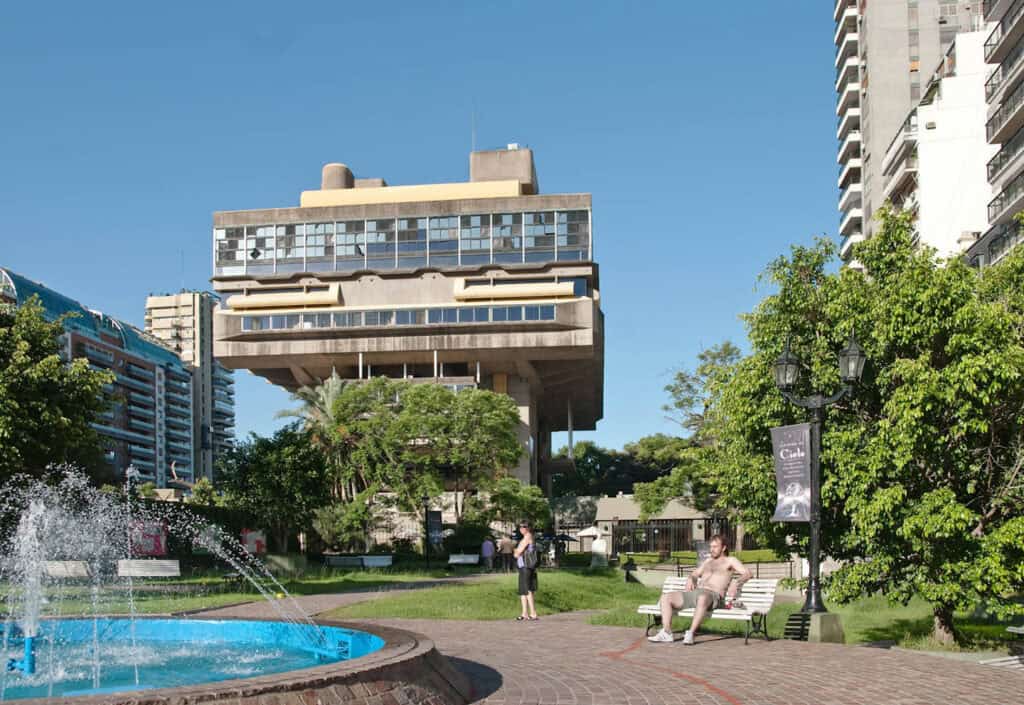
x,y
527,580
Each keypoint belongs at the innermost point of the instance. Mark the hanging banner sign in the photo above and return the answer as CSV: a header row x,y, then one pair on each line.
x,y
434,528
791,447
149,539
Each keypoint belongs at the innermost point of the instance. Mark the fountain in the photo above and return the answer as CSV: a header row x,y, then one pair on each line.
x,y
71,628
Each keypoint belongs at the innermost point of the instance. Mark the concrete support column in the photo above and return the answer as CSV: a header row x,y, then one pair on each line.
x,y
519,390
435,365
360,365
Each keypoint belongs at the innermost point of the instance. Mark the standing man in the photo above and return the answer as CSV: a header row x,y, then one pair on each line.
x,y
717,573
507,548
487,551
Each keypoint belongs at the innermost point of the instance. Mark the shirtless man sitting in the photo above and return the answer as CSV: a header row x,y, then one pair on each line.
x,y
717,572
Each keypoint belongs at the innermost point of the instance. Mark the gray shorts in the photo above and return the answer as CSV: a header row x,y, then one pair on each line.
x,y
690,599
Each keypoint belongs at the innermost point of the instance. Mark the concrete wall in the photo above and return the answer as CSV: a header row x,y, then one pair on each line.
x,y
953,189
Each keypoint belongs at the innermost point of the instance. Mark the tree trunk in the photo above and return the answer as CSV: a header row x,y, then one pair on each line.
x,y
943,631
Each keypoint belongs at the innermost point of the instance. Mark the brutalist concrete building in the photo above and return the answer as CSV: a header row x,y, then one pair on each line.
x,y
487,283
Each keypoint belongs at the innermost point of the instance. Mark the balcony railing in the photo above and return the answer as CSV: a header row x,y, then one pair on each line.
x,y
1010,150
1004,69
1013,191
140,372
1008,108
1011,16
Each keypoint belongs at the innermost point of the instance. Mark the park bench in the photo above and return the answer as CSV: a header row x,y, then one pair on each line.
x,y
464,559
756,596
368,561
148,568
67,569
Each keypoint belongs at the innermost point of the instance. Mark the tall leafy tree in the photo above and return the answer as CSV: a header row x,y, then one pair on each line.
x,y
690,391
317,412
280,480
922,466
604,471
46,405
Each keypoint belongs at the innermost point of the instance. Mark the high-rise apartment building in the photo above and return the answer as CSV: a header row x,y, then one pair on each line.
x,y
885,51
184,321
1004,90
935,164
486,283
149,424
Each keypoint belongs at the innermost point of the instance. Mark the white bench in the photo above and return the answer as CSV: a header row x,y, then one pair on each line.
x,y
67,569
464,559
148,568
756,596
1015,630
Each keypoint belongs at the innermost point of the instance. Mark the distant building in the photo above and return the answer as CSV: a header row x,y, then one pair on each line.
x,y
184,321
884,52
935,164
1004,90
486,283
150,423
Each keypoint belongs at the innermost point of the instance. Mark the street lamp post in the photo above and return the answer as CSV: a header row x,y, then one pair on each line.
x,y
787,372
426,529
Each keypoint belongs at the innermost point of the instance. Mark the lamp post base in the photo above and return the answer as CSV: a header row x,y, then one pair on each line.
x,y
826,627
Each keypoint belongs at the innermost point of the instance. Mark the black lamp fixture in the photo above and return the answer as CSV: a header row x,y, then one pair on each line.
x,y
787,372
787,369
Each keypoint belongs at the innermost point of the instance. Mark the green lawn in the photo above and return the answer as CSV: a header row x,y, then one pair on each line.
x,y
560,591
867,620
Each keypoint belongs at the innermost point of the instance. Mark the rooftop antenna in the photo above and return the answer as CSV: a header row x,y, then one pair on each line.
x,y
472,127
181,253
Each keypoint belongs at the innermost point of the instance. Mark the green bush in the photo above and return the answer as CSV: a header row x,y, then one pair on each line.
x,y
576,559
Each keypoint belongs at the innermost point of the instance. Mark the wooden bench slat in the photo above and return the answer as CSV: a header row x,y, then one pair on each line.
x,y
148,568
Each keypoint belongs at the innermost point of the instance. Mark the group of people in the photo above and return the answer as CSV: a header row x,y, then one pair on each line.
x,y
713,585
525,556
500,554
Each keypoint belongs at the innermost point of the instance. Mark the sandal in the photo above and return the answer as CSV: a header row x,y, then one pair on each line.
x,y
521,619
533,619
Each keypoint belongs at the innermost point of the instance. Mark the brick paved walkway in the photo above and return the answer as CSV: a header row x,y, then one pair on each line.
x,y
561,660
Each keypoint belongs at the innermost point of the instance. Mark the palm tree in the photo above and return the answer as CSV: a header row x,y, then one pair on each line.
x,y
325,429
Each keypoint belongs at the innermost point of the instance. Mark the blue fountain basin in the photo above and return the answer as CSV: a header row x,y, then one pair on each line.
x,y
89,657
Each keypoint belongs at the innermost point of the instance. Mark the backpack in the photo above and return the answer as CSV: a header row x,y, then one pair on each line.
x,y
530,557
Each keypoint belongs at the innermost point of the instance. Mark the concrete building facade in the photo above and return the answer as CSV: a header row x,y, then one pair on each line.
x,y
486,283
935,166
884,50
1004,128
149,424
184,322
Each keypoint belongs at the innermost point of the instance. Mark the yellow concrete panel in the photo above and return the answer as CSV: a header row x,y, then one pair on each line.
x,y
313,298
511,291
410,194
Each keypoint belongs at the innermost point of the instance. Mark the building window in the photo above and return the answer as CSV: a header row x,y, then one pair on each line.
x,y
380,244
291,248
378,318
259,249
476,239
412,242
319,247
539,232
348,319
230,246
573,235
444,241
349,237
416,317
507,234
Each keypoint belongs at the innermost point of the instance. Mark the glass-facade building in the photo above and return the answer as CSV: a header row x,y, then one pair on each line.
x,y
149,423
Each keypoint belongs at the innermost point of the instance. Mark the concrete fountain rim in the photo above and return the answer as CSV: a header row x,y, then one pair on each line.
x,y
401,647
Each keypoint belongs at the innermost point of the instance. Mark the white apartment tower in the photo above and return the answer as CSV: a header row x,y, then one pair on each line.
x,y
185,322
1004,128
885,50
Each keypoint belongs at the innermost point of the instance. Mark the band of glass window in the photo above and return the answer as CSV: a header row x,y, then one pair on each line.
x,y
402,243
401,317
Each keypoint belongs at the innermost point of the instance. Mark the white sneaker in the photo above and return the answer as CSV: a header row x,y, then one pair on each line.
x,y
688,637
662,637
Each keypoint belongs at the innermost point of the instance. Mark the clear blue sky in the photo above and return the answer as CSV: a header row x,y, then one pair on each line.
x,y
704,131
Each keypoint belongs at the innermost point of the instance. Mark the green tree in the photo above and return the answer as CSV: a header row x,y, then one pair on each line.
x,y
510,501
280,480
46,406
147,490
603,471
205,494
922,470
690,392
317,412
